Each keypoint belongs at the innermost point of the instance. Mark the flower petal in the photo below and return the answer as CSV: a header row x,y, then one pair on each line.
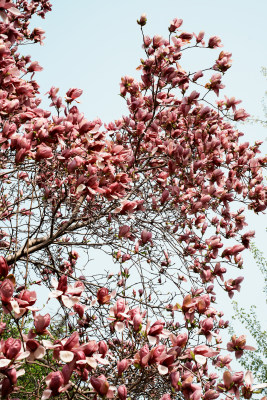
x,y
92,362
46,394
162,369
200,359
39,352
23,355
66,356
4,362
119,326
70,301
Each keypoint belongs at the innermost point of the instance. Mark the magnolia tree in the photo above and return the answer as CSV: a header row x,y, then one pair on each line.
x,y
162,191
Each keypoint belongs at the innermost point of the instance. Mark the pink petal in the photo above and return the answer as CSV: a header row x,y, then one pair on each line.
x,y
80,188
110,394
249,378
54,282
101,360
4,362
249,348
55,294
162,369
200,359
23,355
15,306
20,372
14,11
3,15
119,326
66,356
260,386
69,301
48,344
39,352
46,394
152,339
92,362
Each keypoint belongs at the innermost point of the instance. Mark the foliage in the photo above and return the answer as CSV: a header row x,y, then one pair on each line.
x,y
255,361
155,191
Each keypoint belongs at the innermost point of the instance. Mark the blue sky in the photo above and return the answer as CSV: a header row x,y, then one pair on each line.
x,y
90,44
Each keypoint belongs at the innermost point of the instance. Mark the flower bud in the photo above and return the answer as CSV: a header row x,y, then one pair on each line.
x,y
3,267
122,392
100,384
142,21
122,366
103,296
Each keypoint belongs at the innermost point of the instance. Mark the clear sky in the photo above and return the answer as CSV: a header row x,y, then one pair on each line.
x,y
90,44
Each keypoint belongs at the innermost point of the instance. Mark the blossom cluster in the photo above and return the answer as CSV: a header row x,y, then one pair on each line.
x,y
156,191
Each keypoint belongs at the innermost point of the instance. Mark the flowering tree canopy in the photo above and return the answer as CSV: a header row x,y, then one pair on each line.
x,y
162,191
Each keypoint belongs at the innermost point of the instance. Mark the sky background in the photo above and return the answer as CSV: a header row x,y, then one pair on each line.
x,y
90,44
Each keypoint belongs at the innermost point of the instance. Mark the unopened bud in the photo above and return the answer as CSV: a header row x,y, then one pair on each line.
x,y
142,20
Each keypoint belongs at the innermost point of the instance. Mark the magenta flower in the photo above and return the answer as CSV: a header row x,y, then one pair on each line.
x,y
122,392
4,268
41,323
238,345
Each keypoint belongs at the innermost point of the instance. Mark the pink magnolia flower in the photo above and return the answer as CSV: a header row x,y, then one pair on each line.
x,y
79,309
146,236
122,392
179,340
200,37
43,151
206,328
142,356
231,383
11,348
120,310
35,348
6,291
34,66
66,348
2,327
233,284
157,41
214,42
175,378
73,94
156,328
102,348
41,323
224,361
238,345
175,24
186,36
215,83
125,231
224,62
137,321
240,115
101,385
122,366
142,20
103,296
57,382
211,394
89,348
248,388
4,268
197,75
26,298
